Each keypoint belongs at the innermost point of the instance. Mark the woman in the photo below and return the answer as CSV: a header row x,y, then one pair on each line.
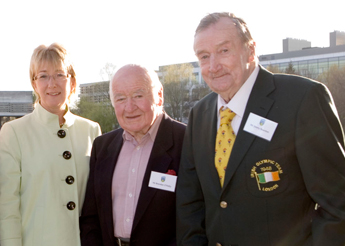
x,y
44,159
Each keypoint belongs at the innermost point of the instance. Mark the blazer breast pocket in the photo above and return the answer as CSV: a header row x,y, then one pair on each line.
x,y
267,173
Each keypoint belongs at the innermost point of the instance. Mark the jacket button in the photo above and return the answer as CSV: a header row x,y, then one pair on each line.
x,y
71,206
67,155
61,133
69,180
223,204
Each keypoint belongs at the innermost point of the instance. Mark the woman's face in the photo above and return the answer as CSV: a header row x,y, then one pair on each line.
x,y
54,86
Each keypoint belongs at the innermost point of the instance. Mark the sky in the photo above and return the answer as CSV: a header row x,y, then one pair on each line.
x,y
151,32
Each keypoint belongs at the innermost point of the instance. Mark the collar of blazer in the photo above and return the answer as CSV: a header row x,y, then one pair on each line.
x,y
43,116
159,161
258,103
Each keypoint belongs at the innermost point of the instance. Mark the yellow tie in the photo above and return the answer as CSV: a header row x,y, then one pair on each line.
x,y
224,141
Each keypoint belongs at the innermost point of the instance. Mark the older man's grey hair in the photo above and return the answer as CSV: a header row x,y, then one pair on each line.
x,y
239,23
155,86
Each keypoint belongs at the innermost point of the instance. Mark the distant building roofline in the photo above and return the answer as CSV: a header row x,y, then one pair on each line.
x,y
303,53
93,83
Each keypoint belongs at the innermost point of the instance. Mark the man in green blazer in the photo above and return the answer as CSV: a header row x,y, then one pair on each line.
x,y
284,182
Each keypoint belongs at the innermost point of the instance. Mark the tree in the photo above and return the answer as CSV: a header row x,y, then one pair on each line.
x,y
334,79
199,91
177,80
102,112
33,97
273,69
107,71
290,69
97,106
309,73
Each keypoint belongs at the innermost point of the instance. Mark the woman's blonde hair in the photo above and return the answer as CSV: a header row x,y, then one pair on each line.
x,y
54,55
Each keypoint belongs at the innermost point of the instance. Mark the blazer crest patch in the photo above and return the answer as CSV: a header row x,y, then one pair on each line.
x,y
267,174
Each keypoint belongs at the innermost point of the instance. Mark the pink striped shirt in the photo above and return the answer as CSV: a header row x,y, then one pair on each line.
x,y
128,177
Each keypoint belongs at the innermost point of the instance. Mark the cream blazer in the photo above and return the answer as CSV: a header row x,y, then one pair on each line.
x,y
40,182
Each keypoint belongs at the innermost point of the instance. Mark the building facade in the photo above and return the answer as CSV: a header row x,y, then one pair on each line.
x,y
308,61
95,92
15,104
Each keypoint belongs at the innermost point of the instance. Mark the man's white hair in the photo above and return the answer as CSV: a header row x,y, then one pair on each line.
x,y
156,85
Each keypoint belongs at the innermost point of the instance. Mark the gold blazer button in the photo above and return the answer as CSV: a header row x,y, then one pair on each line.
x,y
223,204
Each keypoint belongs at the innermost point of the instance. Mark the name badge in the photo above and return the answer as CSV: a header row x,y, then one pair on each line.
x,y
163,181
260,127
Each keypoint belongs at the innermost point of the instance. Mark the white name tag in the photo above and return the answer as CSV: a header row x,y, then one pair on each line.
x,y
162,181
261,127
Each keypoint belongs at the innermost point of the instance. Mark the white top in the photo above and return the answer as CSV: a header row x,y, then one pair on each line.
x,y
239,102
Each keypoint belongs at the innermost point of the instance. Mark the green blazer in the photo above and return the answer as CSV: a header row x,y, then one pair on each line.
x,y
306,153
42,186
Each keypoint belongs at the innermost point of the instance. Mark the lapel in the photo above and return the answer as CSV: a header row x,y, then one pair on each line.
x,y
209,120
258,103
107,166
159,161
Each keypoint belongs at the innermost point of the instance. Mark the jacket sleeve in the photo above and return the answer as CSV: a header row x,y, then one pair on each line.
x,y
10,178
320,152
189,197
90,228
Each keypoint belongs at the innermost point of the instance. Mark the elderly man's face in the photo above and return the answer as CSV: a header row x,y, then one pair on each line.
x,y
135,106
224,59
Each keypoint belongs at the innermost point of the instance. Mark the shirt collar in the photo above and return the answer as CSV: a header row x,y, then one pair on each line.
x,y
239,102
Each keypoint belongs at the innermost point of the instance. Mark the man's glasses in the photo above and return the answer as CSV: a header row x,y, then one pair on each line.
x,y
58,77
